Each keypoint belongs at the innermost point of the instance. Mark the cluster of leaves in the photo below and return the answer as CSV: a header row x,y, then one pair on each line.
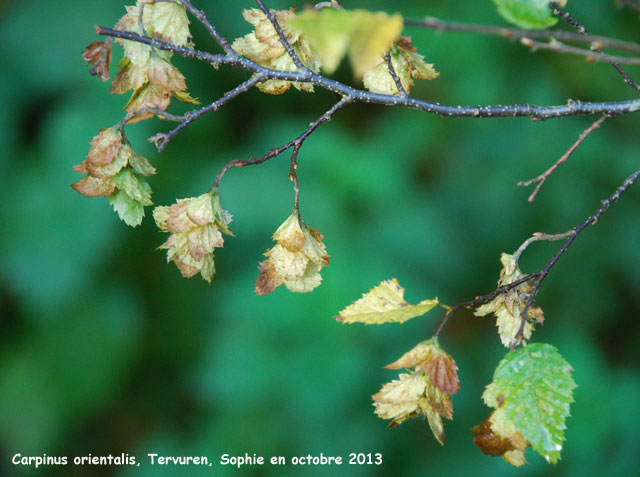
x,y
532,387
112,166
531,390
319,38
196,225
295,261
508,307
113,169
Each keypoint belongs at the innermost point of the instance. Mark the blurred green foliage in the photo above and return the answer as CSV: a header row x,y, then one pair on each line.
x,y
104,348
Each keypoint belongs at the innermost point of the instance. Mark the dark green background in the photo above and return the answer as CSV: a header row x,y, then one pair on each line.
x,y
104,348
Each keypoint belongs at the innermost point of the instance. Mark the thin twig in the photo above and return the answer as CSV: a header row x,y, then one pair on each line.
x,y
517,33
283,39
557,11
542,178
162,139
394,75
295,143
541,274
479,300
200,15
590,55
572,108
538,236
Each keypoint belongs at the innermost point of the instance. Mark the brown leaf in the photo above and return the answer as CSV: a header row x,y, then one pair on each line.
x,y
438,364
147,97
94,187
268,280
498,437
164,74
443,371
104,147
489,442
98,55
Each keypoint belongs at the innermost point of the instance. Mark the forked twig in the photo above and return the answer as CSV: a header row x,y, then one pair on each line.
x,y
542,178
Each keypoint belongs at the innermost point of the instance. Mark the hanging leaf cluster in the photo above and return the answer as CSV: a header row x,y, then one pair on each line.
x,y
508,307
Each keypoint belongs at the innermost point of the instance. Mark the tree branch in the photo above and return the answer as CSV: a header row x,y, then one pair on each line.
x,y
295,143
516,33
394,75
541,274
542,178
590,55
283,39
557,11
202,18
572,108
162,139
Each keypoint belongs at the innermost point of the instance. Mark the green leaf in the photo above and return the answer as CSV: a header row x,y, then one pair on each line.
x,y
383,304
141,165
134,186
533,386
130,211
531,14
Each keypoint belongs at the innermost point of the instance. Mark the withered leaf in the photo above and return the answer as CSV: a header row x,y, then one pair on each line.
x,y
98,55
438,364
384,304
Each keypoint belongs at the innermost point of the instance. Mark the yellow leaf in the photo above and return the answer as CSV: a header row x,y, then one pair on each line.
x,y
508,307
413,395
264,47
168,21
398,400
328,32
407,64
383,304
372,38
364,35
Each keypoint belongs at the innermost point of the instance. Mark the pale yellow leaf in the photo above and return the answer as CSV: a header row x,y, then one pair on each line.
x,y
383,304
364,35
371,38
399,399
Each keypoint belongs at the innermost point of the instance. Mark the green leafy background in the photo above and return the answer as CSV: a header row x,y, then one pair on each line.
x,y
104,348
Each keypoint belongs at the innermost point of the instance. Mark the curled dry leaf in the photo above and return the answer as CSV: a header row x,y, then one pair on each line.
x,y
296,259
413,395
497,436
508,307
437,363
383,304
98,55
264,47
196,225
406,63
